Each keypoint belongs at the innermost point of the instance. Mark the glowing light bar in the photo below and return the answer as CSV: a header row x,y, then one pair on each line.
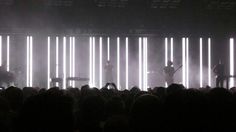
x,y
64,62
183,62
201,85
8,53
146,79
108,48
94,46
187,63
118,63
71,48
90,62
231,82
57,60
73,60
100,62
127,62
0,50
171,50
209,62
145,63
31,61
166,51
49,79
27,62
140,62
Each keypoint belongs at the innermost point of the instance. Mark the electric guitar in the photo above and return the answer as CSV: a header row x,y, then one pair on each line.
x,y
169,73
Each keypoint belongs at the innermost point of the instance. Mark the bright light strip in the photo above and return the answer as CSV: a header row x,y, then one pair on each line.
x,y
145,63
166,55
94,47
171,50
31,61
100,62
209,62
127,63
166,51
118,63
8,53
0,50
108,48
57,60
73,60
201,85
90,62
27,62
231,84
64,62
71,48
146,47
140,62
48,62
183,62
187,63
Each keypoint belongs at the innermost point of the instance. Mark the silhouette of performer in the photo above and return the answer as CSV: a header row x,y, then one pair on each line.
x,y
108,72
5,76
169,73
219,70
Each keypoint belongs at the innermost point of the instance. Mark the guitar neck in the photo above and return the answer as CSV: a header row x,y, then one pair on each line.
x,y
177,69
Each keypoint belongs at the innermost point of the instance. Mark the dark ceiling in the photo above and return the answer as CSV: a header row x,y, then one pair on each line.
x,y
119,16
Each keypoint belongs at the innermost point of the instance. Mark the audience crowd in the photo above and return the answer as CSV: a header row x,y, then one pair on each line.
x,y
85,109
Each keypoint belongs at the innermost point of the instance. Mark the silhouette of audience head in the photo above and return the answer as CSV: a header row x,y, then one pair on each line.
x,y
103,110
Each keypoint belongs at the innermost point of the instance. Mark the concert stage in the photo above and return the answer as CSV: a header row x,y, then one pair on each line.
x,y
138,60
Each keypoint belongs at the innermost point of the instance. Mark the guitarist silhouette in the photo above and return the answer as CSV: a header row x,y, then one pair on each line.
x,y
169,72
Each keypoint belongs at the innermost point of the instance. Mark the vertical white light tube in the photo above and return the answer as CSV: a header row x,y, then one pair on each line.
x,y
201,63
108,48
145,63
90,62
0,50
171,50
57,60
27,62
8,53
64,62
209,62
166,55
70,66
49,79
146,41
100,63
94,72
183,62
73,60
140,63
127,62
118,63
187,63
231,82
166,51
31,61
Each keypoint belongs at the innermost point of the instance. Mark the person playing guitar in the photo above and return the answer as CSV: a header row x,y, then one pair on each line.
x,y
169,71
219,70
